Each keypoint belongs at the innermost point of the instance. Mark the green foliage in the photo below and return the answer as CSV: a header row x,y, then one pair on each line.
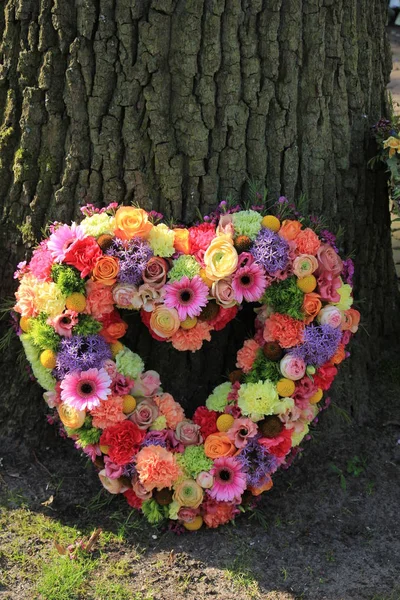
x,y
68,279
63,579
28,237
263,368
43,335
153,512
87,434
285,298
86,326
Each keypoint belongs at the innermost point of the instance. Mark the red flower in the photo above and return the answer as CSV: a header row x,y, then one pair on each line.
x,y
113,327
224,316
83,255
132,499
123,441
146,316
280,445
325,375
207,419
200,237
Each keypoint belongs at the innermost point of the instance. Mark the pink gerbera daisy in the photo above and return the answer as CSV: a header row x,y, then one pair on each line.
x,y
187,296
85,389
249,282
61,240
229,480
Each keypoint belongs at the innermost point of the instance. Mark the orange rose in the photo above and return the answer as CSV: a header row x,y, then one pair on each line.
x,y
181,240
311,306
339,356
71,417
131,222
290,229
351,320
106,270
218,445
256,491
113,327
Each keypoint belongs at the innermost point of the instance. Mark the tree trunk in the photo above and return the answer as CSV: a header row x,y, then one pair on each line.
x,y
174,104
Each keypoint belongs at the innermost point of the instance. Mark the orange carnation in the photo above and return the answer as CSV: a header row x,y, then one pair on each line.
x,y
308,242
106,270
290,229
311,306
285,330
218,445
156,468
171,410
181,240
131,222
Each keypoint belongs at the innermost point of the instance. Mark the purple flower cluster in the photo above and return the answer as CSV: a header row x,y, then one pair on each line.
x,y
348,271
257,462
270,251
320,344
133,257
80,353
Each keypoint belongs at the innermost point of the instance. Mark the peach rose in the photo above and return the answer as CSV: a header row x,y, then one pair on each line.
x,y
290,229
123,294
224,293
70,416
351,320
155,273
181,240
218,445
311,306
131,222
164,321
220,258
106,270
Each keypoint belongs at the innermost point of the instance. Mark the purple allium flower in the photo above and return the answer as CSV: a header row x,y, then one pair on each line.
x,y
319,345
133,257
270,251
329,238
155,438
348,271
129,470
257,462
80,353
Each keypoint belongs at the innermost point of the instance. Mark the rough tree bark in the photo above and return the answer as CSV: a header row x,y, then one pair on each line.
x,y
173,104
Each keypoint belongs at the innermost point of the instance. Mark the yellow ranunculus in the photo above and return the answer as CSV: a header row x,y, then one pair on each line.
x,y
220,258
394,145
164,321
188,493
71,417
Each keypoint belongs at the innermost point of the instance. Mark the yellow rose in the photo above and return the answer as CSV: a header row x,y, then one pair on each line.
x,y
188,493
220,258
394,145
164,321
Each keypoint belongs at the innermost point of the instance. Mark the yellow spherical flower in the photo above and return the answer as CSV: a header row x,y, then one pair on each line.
x,y
393,144
104,449
129,404
285,387
24,323
271,222
188,493
71,417
76,302
116,347
316,397
220,258
195,524
48,359
225,422
189,323
307,284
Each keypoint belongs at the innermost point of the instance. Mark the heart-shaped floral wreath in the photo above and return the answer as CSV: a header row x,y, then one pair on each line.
x,y
186,283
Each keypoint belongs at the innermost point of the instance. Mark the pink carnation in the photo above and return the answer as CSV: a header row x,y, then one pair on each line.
x,y
172,411
41,262
99,299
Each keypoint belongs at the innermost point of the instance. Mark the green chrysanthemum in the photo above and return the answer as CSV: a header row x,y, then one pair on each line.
x,y
129,363
98,224
219,398
43,335
44,376
87,326
263,369
194,461
256,400
247,222
184,266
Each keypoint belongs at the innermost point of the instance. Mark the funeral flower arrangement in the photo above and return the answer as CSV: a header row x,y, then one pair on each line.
x,y
186,283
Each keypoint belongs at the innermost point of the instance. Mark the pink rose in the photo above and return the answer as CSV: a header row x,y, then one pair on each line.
x,y
330,315
145,413
328,286
205,480
292,367
328,260
305,388
123,294
188,433
114,486
148,384
113,471
224,293
155,273
139,489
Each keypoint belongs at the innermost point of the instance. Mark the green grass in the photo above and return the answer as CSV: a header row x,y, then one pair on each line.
x,y
64,579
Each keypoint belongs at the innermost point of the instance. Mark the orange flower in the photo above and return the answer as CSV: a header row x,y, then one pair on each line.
x,y
308,242
131,222
290,229
70,416
256,491
164,321
285,330
106,270
181,240
218,445
351,320
339,356
109,412
157,468
311,306
171,410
